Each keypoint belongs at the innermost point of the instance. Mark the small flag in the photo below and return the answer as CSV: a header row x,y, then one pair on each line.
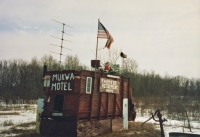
x,y
103,33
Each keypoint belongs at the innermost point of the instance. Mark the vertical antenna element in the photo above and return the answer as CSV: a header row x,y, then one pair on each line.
x,y
61,45
62,39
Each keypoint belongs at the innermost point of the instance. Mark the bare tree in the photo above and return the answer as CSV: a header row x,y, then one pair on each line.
x,y
72,62
129,65
48,60
110,56
180,106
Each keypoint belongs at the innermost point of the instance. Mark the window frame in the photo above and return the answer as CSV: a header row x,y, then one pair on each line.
x,y
47,81
90,86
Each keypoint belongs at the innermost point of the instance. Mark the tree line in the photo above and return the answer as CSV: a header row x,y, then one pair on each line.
x,y
22,79
151,84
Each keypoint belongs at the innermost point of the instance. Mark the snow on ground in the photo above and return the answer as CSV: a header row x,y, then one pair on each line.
x,y
29,115
23,117
12,115
171,125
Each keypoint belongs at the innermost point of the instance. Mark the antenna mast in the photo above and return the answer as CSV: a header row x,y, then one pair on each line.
x,y
62,39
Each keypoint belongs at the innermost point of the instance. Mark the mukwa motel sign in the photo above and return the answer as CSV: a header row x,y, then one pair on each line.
x,y
62,82
65,82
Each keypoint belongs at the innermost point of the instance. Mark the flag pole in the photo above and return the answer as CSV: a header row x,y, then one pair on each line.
x,y
97,46
97,43
96,52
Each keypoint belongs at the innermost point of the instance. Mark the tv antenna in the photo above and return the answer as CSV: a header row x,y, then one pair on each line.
x,y
62,39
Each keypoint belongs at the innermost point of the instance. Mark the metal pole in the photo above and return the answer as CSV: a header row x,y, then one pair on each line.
x,y
97,43
96,51
61,46
96,55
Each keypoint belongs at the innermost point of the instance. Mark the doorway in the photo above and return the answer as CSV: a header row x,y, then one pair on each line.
x,y
58,103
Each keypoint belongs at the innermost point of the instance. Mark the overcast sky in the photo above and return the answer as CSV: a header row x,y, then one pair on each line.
x,y
160,35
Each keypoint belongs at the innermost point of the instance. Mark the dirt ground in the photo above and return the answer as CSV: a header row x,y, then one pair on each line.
x,y
135,130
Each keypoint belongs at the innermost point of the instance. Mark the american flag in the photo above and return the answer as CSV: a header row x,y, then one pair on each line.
x,y
103,33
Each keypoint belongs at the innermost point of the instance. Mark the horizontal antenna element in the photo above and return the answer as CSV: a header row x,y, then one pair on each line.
x,y
67,33
58,53
62,23
60,38
60,46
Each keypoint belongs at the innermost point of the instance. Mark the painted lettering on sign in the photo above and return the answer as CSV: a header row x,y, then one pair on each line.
x,y
109,85
62,82
59,77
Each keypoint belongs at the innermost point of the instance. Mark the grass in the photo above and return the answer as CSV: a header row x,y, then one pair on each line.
x,y
8,123
27,124
16,107
25,132
21,132
135,130
10,113
18,129
22,129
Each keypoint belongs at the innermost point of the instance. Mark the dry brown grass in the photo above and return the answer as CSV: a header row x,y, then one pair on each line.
x,y
25,133
8,123
9,113
135,130
18,129
26,124
17,107
21,132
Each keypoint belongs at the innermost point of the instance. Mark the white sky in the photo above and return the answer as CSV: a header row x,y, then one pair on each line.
x,y
160,35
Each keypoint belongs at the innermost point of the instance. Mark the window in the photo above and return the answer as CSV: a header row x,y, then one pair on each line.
x,y
58,103
89,85
47,81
